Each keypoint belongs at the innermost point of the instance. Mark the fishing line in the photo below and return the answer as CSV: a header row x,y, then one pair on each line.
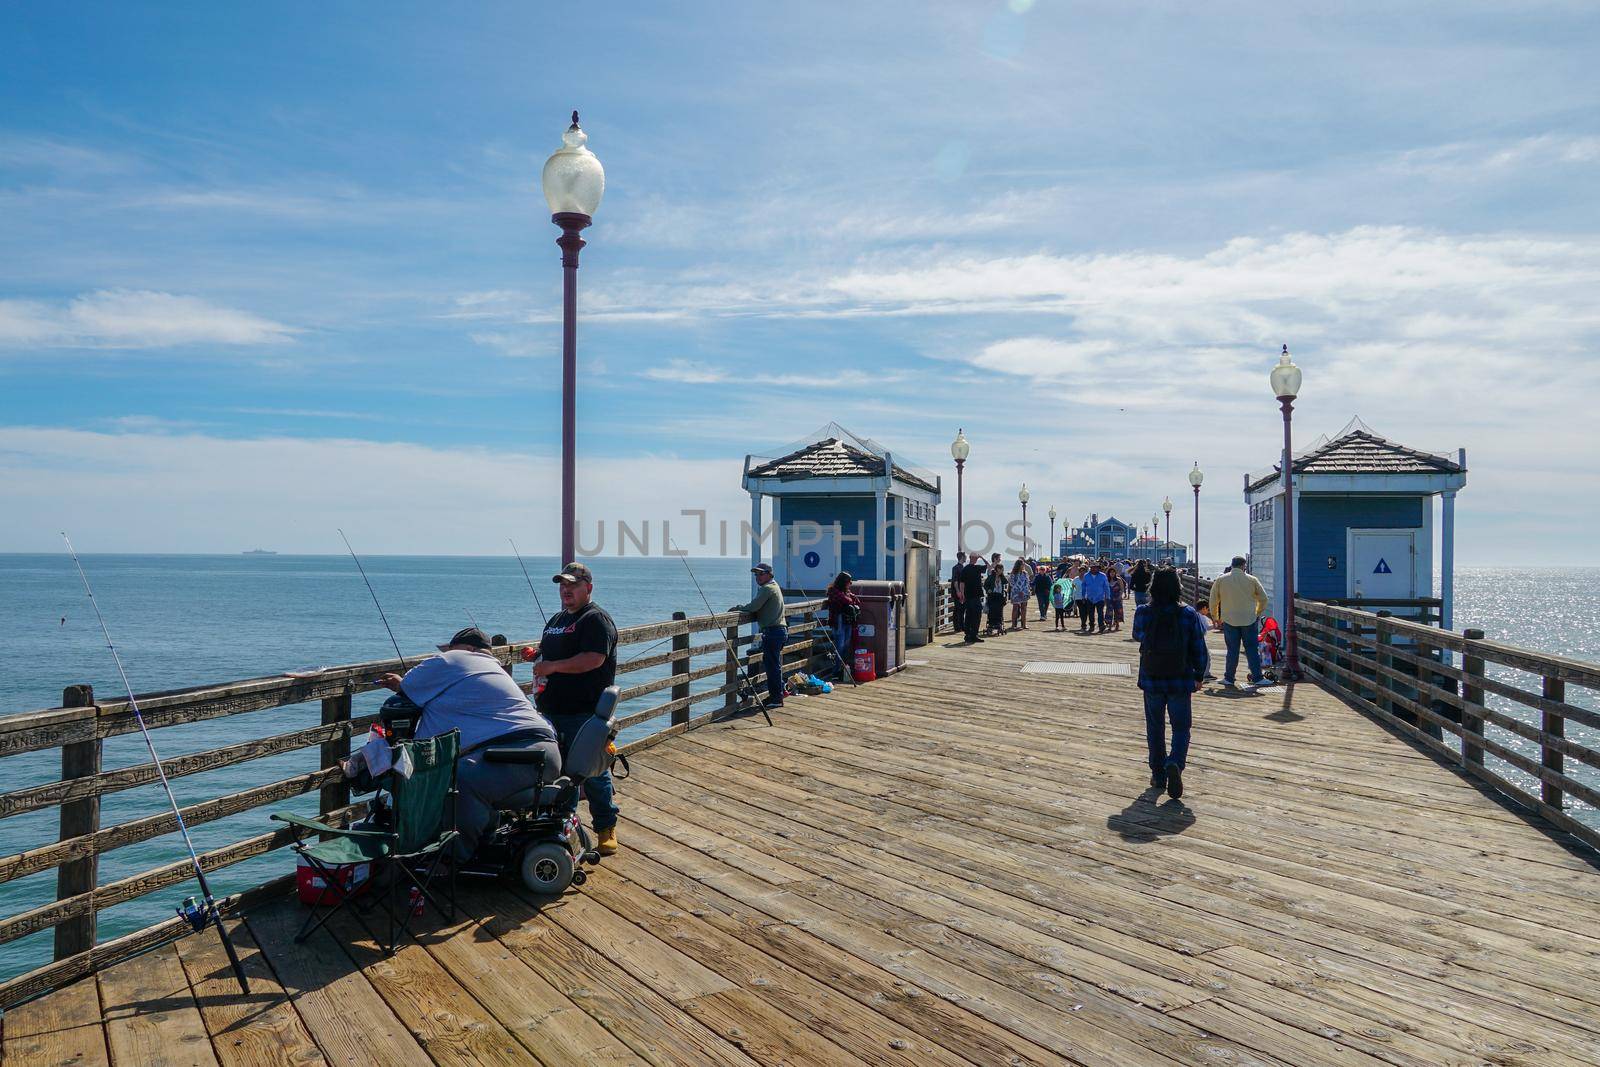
x,y
375,603
733,654
197,918
529,580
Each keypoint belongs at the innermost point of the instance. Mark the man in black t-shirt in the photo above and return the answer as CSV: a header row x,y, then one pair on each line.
x,y
577,660
972,596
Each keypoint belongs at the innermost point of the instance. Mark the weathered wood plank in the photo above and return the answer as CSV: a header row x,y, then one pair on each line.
x,y
246,1031
63,1027
151,1016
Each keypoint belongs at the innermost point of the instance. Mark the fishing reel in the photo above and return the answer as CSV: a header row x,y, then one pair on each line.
x,y
194,912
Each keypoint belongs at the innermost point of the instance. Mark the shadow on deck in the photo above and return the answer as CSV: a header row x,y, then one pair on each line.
x,y
960,864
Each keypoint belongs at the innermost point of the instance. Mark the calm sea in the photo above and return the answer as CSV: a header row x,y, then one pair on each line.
x,y
184,620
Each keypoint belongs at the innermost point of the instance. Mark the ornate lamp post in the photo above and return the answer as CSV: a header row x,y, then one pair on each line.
x,y
1285,379
1155,538
1054,548
573,183
959,451
1196,476
1166,506
1022,495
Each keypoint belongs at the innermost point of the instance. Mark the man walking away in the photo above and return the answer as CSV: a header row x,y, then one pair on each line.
x,y
1172,662
767,607
1237,604
972,597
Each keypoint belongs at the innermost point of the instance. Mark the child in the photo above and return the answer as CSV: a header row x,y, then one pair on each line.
x,y
1270,645
1204,608
1060,597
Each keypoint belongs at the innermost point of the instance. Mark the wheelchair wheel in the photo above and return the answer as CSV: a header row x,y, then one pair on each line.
x,y
580,876
547,868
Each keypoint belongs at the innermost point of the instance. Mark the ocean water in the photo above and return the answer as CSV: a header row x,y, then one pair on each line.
x,y
185,620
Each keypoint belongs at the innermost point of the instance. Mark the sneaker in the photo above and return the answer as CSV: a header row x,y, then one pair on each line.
x,y
1174,781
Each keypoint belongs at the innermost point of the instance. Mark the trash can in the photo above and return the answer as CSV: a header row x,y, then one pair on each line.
x,y
880,627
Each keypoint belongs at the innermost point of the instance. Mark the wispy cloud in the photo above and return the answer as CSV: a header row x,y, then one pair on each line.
x,y
131,318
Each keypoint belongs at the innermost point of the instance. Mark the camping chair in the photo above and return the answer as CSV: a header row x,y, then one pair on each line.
x,y
408,852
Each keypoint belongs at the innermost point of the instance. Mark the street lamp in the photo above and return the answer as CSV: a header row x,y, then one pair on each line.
x,y
1166,506
960,449
573,182
1055,549
1022,495
1286,386
1196,476
1155,537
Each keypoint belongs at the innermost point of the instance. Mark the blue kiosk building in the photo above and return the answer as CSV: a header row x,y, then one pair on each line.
x,y
1113,538
1364,522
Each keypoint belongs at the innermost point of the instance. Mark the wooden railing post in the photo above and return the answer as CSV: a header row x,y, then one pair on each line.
x,y
680,690
335,794
731,676
79,759
1385,684
1555,725
1471,695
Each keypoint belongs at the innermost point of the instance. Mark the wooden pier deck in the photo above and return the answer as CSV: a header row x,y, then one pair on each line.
x,y
959,864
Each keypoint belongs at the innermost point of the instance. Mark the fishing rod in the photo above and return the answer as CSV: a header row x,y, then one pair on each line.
x,y
529,580
473,618
197,915
375,603
738,664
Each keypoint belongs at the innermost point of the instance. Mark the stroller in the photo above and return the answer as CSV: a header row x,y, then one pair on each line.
x,y
1269,645
537,836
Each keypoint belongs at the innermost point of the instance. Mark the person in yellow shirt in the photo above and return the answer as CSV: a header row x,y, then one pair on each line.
x,y
1237,604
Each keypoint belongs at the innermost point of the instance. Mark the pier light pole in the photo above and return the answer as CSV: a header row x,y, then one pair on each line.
x,y
1196,476
1054,549
1166,506
1286,386
1022,495
573,182
960,449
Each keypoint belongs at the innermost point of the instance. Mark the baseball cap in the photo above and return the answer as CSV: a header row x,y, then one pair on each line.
x,y
472,637
761,568
574,572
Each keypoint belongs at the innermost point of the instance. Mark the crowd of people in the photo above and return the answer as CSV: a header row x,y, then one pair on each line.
x,y
1090,592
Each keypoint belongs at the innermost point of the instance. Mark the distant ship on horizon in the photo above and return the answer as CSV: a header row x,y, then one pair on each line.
x,y
258,552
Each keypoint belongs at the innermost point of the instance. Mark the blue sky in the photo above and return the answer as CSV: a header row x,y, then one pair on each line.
x,y
266,270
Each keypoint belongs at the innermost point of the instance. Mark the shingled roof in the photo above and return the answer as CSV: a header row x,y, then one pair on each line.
x,y
1361,451
832,458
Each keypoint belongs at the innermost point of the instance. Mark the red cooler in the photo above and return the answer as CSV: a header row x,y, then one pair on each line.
x,y
866,665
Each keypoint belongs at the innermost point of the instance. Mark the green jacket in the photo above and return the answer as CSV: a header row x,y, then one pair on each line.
x,y
766,605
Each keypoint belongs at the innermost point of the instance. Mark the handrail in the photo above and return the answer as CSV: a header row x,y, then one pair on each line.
x,y
1400,672
81,724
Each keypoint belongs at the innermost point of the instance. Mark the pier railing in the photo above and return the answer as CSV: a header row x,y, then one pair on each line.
x,y
1506,726
696,652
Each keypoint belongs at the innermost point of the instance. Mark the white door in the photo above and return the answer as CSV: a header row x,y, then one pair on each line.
x,y
1383,564
810,556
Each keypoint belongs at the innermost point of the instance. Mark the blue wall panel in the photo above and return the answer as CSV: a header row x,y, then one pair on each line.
x,y
1323,523
857,519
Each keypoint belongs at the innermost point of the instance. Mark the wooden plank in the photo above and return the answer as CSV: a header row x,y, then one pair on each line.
x,y
151,1016
352,1024
248,1031
646,1022
63,1027
547,1022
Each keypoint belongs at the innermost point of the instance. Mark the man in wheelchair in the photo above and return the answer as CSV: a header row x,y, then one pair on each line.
x,y
515,811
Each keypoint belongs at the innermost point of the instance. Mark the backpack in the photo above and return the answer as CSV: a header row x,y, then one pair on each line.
x,y
1164,652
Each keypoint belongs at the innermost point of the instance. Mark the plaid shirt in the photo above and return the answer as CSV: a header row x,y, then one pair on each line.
x,y
1194,628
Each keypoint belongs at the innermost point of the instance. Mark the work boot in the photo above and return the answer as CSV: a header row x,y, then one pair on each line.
x,y
606,841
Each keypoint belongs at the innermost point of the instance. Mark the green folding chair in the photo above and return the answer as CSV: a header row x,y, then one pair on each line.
x,y
406,854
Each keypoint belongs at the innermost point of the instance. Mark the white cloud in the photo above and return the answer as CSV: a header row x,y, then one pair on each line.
x,y
688,371
473,499
517,345
132,318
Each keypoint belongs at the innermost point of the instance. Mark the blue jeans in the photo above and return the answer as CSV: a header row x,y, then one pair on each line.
x,y
1158,707
598,791
1140,599
842,632
1231,636
773,638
